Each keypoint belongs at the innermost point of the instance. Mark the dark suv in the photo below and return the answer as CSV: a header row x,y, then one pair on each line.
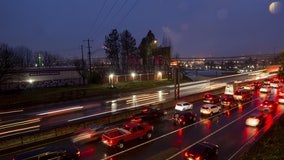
x,y
184,117
201,151
268,106
228,101
211,98
51,152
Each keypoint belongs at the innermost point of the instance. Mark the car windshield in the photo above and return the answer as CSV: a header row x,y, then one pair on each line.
x,y
205,107
238,92
208,95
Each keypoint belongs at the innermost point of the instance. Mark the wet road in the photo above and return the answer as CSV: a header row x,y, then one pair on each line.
x,y
227,129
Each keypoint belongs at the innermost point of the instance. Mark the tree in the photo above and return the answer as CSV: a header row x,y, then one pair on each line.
x,y
281,68
146,47
26,54
9,61
128,47
112,49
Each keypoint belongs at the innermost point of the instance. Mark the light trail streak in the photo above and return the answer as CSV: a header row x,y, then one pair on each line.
x,y
64,110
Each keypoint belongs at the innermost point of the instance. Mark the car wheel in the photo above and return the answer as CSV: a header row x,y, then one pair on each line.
x,y
149,135
120,145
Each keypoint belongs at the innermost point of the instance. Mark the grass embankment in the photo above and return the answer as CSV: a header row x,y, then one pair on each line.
x,y
37,96
270,146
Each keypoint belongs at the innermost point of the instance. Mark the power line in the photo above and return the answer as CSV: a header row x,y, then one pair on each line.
x,y
117,12
106,16
96,19
127,14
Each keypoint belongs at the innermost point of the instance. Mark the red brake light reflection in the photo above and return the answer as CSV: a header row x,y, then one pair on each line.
x,y
185,154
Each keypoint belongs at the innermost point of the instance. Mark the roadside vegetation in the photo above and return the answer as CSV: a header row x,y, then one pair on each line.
x,y
35,96
270,146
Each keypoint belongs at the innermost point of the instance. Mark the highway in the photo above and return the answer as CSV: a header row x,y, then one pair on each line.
x,y
53,116
169,141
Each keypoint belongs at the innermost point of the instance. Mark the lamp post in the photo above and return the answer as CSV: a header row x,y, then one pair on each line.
x,y
133,76
159,75
110,81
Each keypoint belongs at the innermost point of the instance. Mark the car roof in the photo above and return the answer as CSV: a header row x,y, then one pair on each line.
x,y
209,105
201,147
241,90
183,112
258,114
267,100
182,102
44,150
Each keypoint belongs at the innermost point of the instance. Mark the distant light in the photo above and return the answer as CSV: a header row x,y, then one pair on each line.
x,y
30,81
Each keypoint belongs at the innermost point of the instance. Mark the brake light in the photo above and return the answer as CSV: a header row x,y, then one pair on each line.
x,y
145,110
180,120
185,154
270,106
78,153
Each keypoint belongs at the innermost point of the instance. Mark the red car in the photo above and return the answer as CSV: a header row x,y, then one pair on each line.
x,y
117,137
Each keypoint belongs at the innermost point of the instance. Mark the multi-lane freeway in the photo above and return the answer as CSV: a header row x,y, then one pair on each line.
x,y
169,141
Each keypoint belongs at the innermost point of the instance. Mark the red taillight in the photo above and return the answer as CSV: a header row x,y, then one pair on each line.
x,y
180,120
270,106
185,154
78,153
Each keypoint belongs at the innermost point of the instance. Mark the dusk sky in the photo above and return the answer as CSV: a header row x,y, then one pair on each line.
x,y
195,27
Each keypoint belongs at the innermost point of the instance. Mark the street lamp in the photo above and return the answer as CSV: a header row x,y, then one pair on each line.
x,y
110,80
159,75
133,75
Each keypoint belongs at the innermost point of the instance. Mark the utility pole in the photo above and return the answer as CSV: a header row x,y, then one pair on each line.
x,y
83,63
89,54
83,66
175,66
89,57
